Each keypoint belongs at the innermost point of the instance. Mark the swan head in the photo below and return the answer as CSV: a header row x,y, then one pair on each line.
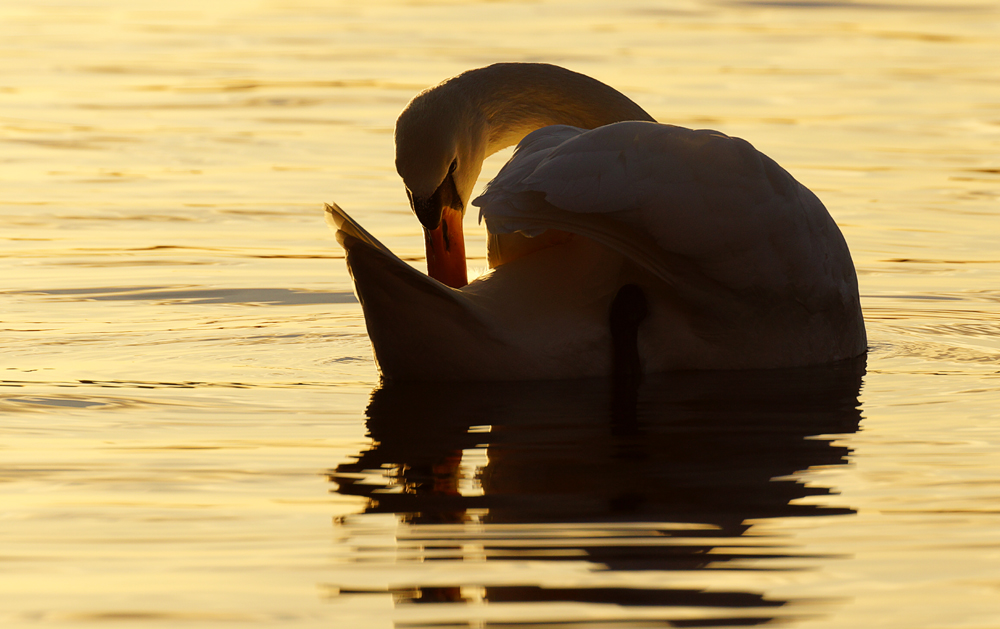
x,y
440,148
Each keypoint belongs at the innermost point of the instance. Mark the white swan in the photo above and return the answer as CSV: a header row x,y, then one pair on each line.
x,y
729,262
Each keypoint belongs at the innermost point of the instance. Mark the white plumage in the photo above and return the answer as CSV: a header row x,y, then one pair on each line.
x,y
741,265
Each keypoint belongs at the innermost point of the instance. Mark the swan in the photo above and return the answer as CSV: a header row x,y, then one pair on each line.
x,y
616,244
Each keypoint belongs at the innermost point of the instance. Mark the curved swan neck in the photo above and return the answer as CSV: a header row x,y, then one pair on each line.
x,y
449,129
515,99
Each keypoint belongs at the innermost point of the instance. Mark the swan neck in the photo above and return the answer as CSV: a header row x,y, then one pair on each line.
x,y
515,99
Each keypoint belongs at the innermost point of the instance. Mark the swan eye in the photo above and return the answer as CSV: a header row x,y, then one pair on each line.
x,y
454,165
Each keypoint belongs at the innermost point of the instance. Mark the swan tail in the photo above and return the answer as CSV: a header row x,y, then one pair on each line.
x,y
364,251
414,322
341,222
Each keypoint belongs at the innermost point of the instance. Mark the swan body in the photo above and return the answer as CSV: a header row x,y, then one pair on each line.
x,y
740,265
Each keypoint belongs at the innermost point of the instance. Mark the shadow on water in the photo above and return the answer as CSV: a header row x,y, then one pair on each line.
x,y
670,479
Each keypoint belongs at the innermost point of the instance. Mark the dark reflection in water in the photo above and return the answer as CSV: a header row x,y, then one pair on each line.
x,y
666,480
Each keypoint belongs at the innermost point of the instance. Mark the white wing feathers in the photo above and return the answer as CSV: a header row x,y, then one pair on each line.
x,y
676,202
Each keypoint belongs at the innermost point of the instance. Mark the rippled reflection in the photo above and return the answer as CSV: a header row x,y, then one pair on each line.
x,y
568,472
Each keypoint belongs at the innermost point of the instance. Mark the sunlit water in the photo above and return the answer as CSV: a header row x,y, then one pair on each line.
x,y
192,430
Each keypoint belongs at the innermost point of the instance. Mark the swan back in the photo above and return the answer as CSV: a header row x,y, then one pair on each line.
x,y
743,251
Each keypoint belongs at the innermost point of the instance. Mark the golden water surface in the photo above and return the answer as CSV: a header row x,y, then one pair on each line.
x,y
191,428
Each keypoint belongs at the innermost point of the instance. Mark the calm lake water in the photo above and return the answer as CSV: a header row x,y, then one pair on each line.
x,y
192,428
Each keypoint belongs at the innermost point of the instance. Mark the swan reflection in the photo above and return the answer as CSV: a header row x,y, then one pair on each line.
x,y
670,480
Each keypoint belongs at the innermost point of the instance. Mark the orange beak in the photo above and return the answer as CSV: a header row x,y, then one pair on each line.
x,y
446,250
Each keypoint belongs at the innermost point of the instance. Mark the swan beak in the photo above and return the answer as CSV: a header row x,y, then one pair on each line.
x,y
446,250
441,215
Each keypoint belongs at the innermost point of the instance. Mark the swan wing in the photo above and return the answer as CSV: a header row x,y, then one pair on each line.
x,y
706,213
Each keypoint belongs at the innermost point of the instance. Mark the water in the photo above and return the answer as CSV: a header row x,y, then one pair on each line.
x,y
192,429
